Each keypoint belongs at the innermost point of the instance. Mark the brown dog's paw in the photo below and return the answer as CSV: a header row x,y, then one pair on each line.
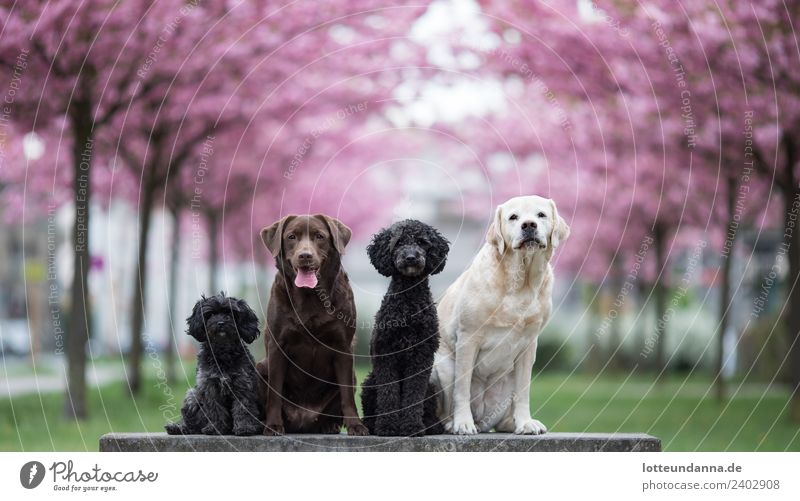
x,y
357,430
330,429
273,430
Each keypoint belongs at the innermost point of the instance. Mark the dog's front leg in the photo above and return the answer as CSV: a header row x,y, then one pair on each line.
x,y
245,417
415,387
214,408
276,370
347,381
521,404
388,415
466,353
244,408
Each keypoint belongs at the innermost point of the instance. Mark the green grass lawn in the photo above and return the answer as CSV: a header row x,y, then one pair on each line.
x,y
678,411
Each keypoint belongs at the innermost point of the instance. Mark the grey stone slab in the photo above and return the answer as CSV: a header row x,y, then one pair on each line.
x,y
486,442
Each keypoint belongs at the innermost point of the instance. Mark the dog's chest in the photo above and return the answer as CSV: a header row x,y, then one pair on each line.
x,y
226,384
320,326
515,311
512,326
311,344
500,349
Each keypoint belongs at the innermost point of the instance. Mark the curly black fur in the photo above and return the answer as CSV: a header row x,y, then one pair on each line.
x,y
224,398
396,397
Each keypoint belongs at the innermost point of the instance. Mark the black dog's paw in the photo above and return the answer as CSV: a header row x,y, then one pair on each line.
x,y
210,429
436,428
370,425
273,430
413,424
409,428
248,429
415,432
388,425
399,425
175,429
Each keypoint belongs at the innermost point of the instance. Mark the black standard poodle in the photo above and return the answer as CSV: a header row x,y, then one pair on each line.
x,y
396,397
224,399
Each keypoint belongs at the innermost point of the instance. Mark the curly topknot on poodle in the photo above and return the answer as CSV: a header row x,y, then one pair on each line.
x,y
224,398
396,397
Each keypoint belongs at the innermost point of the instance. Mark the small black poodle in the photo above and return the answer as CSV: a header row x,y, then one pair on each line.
x,y
224,398
396,397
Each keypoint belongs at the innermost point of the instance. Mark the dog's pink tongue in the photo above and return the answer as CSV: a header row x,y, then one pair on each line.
x,y
306,279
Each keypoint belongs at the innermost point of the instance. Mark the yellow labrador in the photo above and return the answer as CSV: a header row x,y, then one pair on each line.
x,y
490,319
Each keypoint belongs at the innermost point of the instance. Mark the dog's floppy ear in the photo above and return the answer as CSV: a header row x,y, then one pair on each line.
x,y
437,253
247,322
495,234
380,250
340,233
560,228
273,234
195,324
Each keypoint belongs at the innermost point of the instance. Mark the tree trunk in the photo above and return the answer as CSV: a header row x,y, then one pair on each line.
x,y
643,291
614,334
213,252
660,296
140,289
80,310
792,227
174,260
725,292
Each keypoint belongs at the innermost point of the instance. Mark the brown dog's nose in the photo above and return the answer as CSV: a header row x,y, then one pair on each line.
x,y
304,255
529,224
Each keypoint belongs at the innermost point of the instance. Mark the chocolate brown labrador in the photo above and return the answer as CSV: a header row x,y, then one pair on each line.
x,y
308,381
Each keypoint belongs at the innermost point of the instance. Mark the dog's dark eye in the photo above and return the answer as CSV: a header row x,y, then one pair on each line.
x,y
319,236
291,236
541,214
513,217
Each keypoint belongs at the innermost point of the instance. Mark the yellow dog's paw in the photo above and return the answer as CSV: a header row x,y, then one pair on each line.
x,y
465,427
530,427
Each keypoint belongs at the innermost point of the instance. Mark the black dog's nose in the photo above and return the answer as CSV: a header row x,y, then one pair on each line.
x,y
529,224
411,258
220,323
304,255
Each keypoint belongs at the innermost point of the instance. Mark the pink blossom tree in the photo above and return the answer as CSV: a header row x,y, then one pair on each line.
x,y
231,87
82,67
688,81
100,67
